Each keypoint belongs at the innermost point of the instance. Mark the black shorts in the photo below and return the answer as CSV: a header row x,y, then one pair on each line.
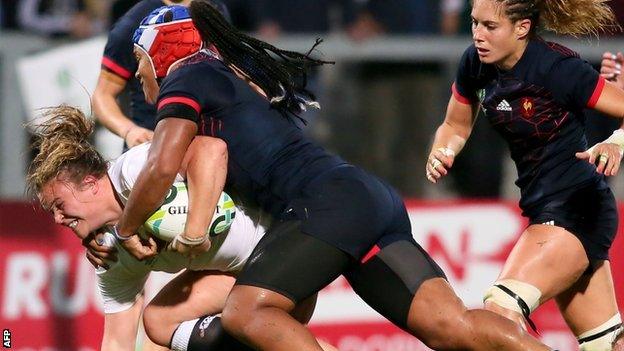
x,y
298,265
351,210
346,222
589,212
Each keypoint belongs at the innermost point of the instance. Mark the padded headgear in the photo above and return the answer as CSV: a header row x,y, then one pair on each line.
x,y
167,35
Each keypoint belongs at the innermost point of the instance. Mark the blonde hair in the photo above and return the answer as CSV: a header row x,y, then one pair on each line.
x,y
62,145
568,17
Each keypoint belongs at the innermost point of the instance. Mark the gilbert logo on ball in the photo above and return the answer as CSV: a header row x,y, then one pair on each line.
x,y
169,220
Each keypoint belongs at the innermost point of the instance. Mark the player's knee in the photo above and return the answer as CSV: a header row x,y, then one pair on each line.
x,y
515,296
603,337
157,326
236,317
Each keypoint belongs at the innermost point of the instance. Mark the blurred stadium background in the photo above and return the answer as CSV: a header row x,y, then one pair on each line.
x,y
382,100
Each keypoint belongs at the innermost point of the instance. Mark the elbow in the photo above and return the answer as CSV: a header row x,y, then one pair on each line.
x,y
220,152
98,101
158,168
208,149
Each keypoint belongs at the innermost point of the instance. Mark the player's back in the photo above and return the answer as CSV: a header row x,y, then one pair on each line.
x,y
270,159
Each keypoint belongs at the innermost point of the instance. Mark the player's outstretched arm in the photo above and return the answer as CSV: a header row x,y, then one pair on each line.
x,y
608,154
450,138
205,169
107,110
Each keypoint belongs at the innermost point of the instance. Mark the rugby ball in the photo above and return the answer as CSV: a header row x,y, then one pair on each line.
x,y
169,220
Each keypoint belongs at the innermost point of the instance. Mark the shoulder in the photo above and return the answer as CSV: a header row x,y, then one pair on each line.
x,y
558,50
471,71
470,57
559,60
196,75
199,63
125,169
129,22
551,54
470,64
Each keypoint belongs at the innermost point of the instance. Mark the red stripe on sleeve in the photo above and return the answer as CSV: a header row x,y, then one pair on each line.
x,y
459,97
370,254
593,100
180,100
116,68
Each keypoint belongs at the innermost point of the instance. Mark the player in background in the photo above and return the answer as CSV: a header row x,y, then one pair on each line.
x,y
85,193
118,73
534,92
331,217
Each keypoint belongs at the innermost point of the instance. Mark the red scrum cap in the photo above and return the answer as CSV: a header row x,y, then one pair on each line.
x,y
167,35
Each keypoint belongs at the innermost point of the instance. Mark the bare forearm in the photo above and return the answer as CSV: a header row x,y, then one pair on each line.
x,y
147,195
448,136
206,170
173,137
108,112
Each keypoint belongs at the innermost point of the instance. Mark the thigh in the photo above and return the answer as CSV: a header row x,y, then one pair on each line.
x,y
389,280
292,263
588,212
590,301
190,295
547,257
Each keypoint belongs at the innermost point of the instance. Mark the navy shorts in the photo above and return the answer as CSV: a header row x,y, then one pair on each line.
x,y
297,266
351,210
589,212
346,222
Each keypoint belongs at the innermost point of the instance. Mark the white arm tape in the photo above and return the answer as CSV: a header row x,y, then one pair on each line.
x,y
446,151
616,138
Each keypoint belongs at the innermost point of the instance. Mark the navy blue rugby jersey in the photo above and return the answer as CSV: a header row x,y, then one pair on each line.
x,y
270,159
537,107
119,59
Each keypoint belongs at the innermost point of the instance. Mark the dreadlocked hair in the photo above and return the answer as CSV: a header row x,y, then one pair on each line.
x,y
281,74
568,17
62,144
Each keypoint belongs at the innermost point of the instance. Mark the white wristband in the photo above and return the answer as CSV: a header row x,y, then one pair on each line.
x,y
192,241
616,138
118,236
448,152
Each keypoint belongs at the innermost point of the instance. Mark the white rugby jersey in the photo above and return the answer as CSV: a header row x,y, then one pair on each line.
x,y
123,282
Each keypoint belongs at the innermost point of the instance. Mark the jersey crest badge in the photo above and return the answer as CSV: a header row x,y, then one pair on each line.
x,y
527,107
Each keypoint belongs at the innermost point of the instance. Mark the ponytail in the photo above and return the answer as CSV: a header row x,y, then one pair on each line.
x,y
62,144
567,17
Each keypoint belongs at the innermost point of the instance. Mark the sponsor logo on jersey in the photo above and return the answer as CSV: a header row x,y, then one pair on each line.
x,y
503,106
527,107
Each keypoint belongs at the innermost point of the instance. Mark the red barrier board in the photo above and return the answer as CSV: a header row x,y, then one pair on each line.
x,y
49,300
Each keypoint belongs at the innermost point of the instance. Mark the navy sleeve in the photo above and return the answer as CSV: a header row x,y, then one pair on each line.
x,y
575,83
192,90
118,53
466,81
